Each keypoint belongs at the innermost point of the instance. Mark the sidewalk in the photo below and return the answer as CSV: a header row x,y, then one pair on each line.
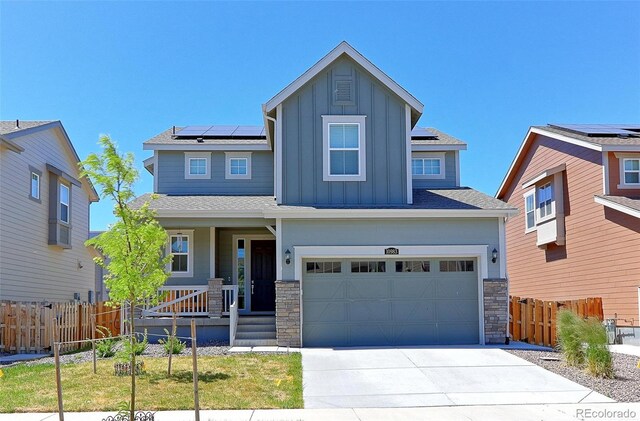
x,y
553,412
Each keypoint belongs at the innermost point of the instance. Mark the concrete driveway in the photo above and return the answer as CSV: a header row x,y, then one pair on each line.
x,y
434,376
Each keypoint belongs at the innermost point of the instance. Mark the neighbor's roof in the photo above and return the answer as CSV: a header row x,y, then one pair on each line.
x,y
456,199
598,143
9,126
628,205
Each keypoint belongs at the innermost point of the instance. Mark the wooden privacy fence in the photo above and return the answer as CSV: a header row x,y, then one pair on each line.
x,y
27,327
534,321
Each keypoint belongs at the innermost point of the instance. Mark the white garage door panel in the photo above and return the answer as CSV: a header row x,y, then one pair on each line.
x,y
390,308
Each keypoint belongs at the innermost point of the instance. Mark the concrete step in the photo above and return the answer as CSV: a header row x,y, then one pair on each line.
x,y
256,320
257,328
256,335
255,342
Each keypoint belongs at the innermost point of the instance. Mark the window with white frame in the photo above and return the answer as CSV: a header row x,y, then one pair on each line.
x,y
631,171
344,157
180,246
238,165
35,185
64,203
197,165
544,196
530,210
428,165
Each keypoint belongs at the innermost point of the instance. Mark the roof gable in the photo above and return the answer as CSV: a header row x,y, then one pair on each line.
x,y
345,49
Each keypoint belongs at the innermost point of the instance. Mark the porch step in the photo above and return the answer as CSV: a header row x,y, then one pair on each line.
x,y
256,320
255,342
257,328
256,335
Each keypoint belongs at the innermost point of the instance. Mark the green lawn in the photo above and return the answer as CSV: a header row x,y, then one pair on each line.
x,y
240,381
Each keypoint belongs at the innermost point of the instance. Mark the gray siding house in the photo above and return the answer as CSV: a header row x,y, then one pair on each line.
x,y
338,223
44,215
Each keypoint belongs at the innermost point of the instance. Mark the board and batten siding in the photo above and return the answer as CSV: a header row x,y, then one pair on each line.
x,y
170,172
449,179
302,151
602,253
30,269
391,232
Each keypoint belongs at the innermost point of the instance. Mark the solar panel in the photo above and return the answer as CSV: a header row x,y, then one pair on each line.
x,y
248,131
193,131
222,131
601,130
423,132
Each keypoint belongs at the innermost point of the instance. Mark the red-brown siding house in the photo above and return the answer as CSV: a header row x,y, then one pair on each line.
x,y
578,231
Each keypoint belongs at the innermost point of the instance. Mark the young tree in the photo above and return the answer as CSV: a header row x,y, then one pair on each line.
x,y
132,246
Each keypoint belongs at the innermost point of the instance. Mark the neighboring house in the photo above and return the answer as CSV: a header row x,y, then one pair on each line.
x,y
339,216
44,215
578,232
101,290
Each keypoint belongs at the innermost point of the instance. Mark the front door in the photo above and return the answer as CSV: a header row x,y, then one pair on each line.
x,y
263,275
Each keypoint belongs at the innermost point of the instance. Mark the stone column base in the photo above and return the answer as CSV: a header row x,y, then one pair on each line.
x,y
288,313
496,311
215,297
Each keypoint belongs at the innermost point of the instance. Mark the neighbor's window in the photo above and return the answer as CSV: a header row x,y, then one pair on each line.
x,y
631,171
180,246
35,185
456,265
413,266
344,147
238,165
530,210
197,166
64,203
545,200
368,266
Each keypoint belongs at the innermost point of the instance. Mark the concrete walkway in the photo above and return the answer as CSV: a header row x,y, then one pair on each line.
x,y
433,376
626,349
556,412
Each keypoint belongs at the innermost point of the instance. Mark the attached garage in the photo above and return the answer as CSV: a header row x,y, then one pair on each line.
x,y
390,302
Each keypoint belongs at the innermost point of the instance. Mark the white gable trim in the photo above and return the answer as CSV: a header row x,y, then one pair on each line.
x,y
343,48
617,206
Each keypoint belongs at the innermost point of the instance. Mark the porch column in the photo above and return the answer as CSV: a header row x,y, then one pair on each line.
x,y
215,297
288,313
496,310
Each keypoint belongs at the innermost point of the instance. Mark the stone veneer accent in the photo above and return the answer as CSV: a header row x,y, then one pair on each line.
x,y
288,313
215,297
496,311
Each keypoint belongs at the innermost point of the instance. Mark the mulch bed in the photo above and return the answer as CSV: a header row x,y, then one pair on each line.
x,y
625,387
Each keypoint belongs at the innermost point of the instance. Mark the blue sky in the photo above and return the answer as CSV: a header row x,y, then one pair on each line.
x,y
485,71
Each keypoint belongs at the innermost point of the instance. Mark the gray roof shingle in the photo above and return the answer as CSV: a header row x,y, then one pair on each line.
x,y
632,203
9,126
462,198
610,141
443,139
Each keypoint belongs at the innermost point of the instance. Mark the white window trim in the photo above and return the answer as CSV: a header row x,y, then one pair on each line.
x,y
531,192
188,156
67,204
429,155
362,156
190,253
622,158
37,197
540,219
228,156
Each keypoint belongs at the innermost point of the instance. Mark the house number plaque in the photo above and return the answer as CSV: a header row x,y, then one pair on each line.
x,y
391,250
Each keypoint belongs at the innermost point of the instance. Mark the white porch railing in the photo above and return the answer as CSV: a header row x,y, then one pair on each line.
x,y
229,296
181,300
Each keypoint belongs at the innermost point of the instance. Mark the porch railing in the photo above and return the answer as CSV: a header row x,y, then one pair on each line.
x,y
229,296
181,300
233,322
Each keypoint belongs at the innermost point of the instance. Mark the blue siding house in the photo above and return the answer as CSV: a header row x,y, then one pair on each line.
x,y
339,222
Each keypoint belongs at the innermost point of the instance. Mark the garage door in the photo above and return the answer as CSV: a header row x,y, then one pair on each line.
x,y
390,302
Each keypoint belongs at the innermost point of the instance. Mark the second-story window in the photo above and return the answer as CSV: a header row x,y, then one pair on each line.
x,y
35,185
64,203
544,195
530,210
427,165
344,148
631,169
197,165
238,165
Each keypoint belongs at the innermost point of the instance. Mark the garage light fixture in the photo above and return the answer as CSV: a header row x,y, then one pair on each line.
x,y
494,255
287,257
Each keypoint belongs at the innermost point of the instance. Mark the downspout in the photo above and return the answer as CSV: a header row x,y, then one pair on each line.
x,y
275,167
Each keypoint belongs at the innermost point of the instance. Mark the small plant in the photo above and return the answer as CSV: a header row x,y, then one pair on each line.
x,y
570,337
105,347
598,356
172,345
138,347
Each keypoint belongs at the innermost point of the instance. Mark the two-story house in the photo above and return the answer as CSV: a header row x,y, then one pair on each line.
x,y
340,221
578,235
44,215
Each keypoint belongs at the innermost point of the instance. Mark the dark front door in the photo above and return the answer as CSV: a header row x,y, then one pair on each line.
x,y
263,275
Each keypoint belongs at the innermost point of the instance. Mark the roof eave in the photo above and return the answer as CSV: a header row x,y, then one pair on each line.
x,y
617,206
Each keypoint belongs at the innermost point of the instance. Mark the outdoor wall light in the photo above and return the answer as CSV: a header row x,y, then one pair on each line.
x,y
494,255
287,257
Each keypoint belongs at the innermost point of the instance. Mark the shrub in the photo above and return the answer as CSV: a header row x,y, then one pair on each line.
x,y
598,356
105,347
570,337
138,347
172,345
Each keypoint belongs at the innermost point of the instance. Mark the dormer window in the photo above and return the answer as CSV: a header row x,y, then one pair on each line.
x,y
197,165
344,148
428,165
